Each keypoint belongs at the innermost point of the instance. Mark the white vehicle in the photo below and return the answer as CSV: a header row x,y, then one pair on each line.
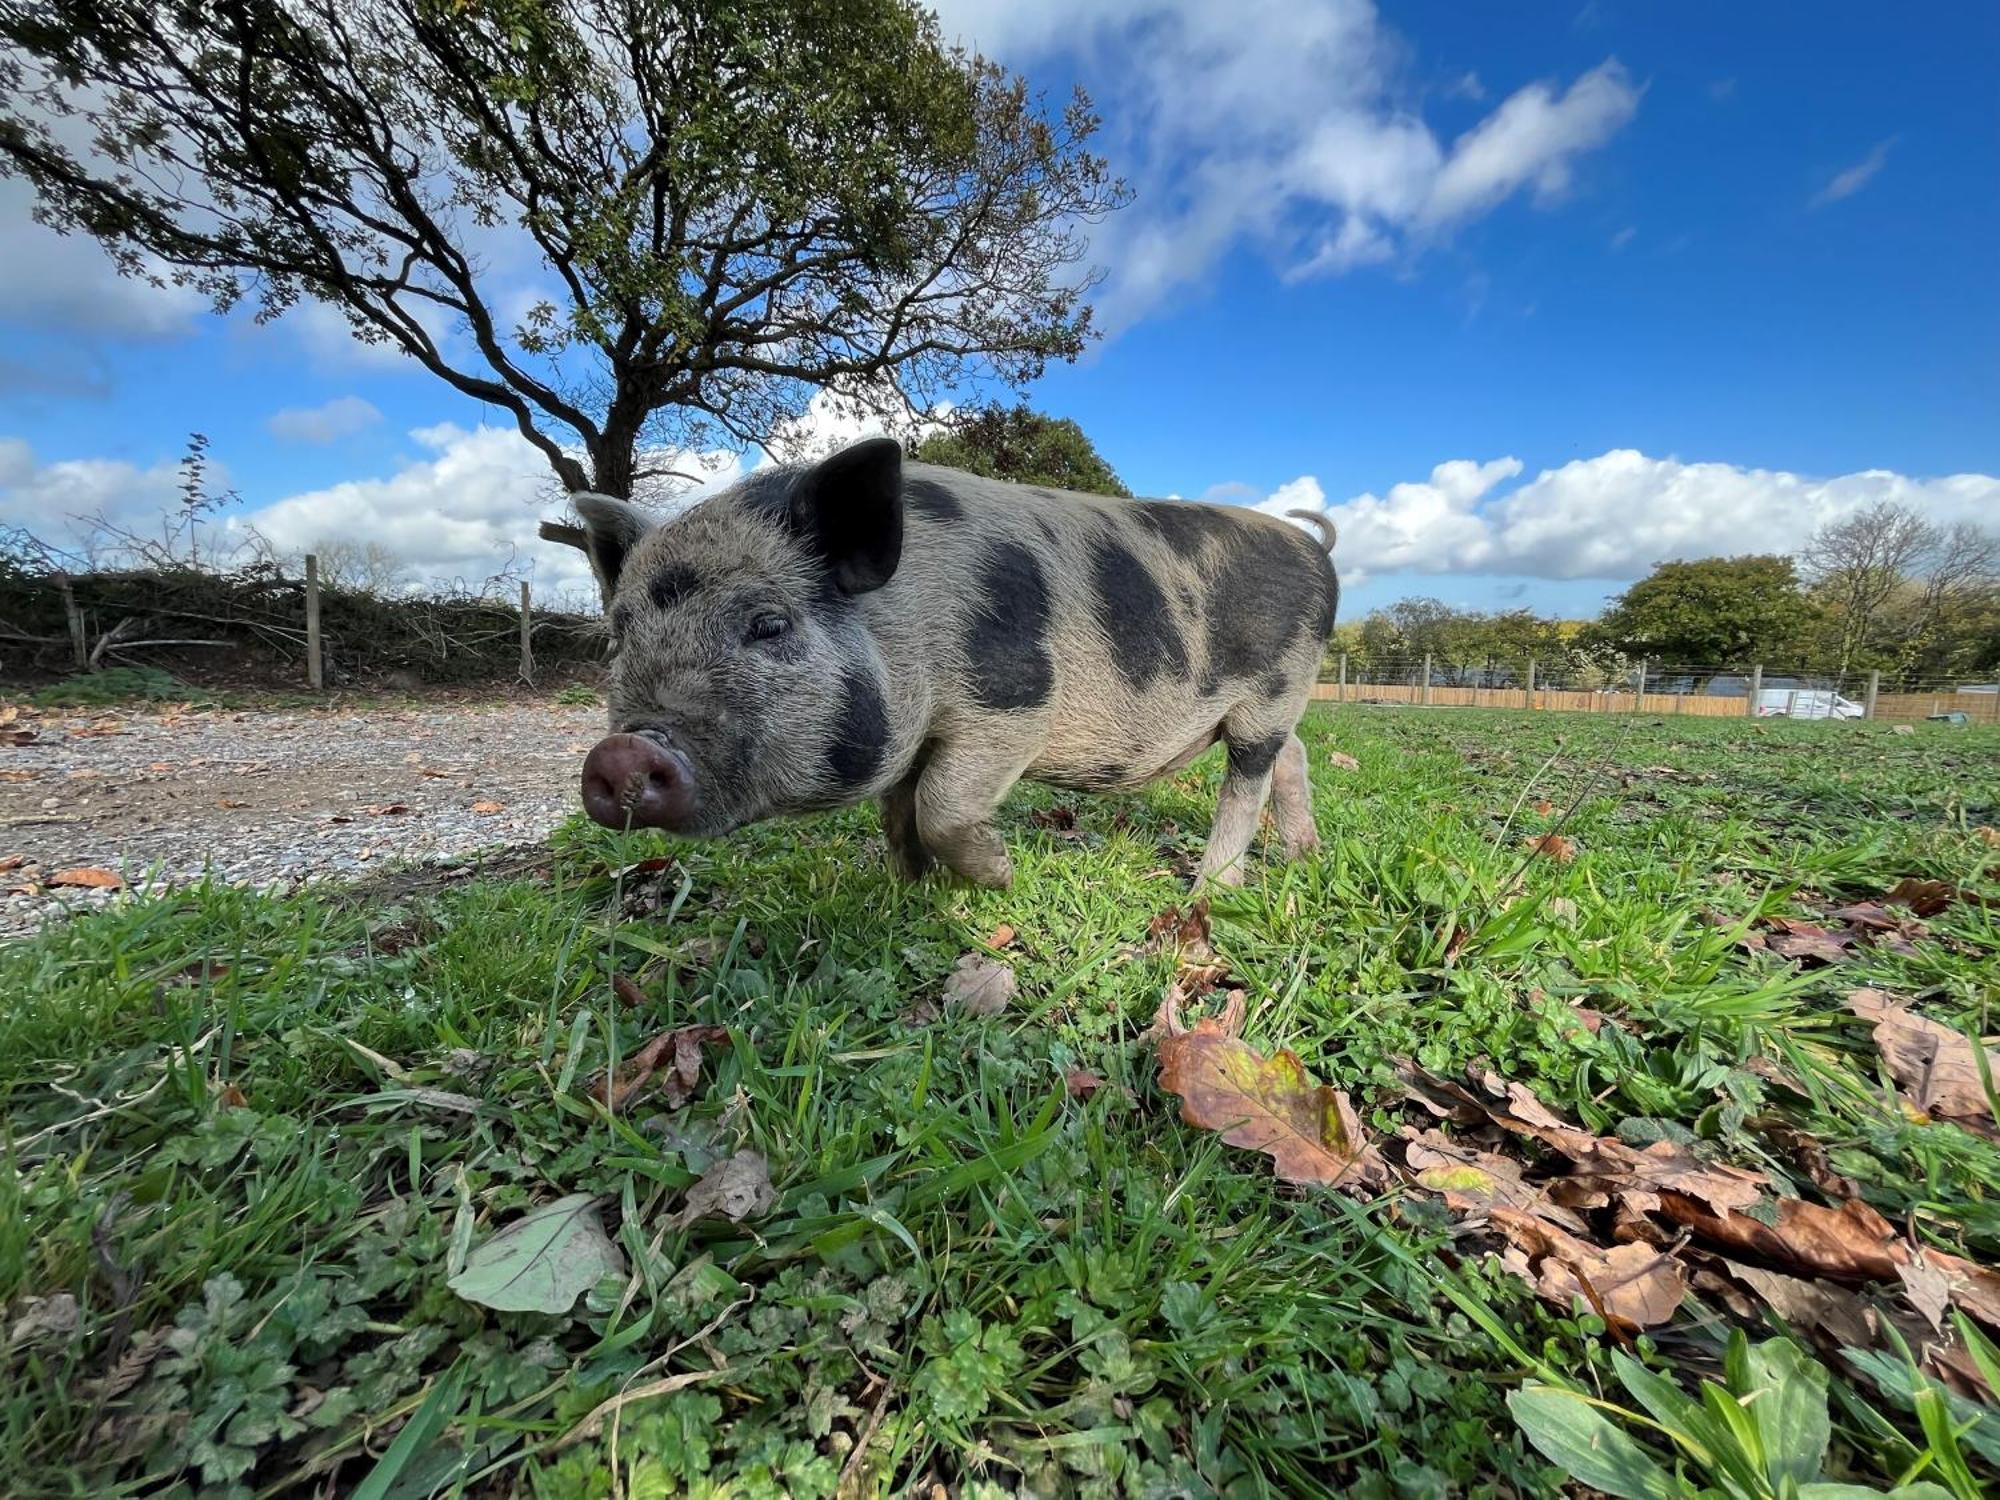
x,y
1805,703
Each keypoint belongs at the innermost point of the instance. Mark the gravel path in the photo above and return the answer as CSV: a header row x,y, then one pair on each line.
x,y
271,798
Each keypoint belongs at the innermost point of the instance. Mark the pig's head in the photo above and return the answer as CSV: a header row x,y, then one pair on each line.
x,y
745,682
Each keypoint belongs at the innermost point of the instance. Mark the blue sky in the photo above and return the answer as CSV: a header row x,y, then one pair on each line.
x,y
1647,281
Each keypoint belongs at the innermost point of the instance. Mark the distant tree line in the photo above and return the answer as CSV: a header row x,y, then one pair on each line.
x,y
1883,590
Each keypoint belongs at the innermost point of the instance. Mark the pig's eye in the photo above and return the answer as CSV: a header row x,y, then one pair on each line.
x,y
768,627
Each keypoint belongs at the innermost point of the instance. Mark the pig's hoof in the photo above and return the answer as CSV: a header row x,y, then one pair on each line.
x,y
911,863
994,874
1300,848
1230,875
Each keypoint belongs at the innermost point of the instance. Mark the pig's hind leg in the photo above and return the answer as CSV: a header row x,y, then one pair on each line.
x,y
1245,786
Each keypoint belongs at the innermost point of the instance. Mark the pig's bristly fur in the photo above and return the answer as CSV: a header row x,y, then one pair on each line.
x,y
816,637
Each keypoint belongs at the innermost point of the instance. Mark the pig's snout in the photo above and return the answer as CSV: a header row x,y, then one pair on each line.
x,y
634,781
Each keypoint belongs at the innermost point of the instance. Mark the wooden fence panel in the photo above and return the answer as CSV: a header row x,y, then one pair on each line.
x,y
1981,708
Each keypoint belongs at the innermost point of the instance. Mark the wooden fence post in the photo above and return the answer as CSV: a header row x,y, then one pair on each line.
x,y
1531,682
1427,679
315,668
79,640
1756,689
1874,688
1639,698
1342,698
527,637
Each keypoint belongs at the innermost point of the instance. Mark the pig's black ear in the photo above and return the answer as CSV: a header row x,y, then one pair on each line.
x,y
610,530
850,508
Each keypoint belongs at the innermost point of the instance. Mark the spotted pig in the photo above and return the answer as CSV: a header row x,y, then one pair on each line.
x,y
870,629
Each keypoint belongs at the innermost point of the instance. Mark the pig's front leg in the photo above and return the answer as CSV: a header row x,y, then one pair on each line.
x,y
907,855
1245,786
956,798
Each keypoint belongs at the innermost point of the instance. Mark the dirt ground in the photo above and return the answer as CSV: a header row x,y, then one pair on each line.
x,y
270,797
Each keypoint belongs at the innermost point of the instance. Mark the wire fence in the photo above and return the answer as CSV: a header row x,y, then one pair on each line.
x,y
1719,691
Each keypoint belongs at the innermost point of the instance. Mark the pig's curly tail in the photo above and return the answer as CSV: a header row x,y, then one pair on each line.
x,y
1327,535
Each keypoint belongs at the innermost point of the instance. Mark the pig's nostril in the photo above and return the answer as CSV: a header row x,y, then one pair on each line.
x,y
634,781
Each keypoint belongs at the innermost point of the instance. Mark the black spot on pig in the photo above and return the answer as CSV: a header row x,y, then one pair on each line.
x,y
932,500
860,734
1007,632
1257,756
1184,525
1264,584
1132,611
672,584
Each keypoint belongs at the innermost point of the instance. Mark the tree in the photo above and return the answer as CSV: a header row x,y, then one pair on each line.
x,y
1855,567
1716,612
727,202
1024,446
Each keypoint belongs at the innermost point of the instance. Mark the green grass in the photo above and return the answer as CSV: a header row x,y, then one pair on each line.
x,y
245,1133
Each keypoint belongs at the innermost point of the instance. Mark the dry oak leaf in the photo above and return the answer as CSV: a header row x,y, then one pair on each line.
x,y
980,986
1934,1063
1268,1104
1474,1181
1553,846
1632,1285
486,806
1082,1083
1929,897
387,809
1343,762
1848,1243
88,876
1809,1304
1183,933
1000,936
676,1054
1794,939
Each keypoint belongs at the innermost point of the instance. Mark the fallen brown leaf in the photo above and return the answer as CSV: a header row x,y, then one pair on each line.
x,y
1934,1063
18,736
1272,1105
387,809
980,986
1545,808
1081,1083
87,876
674,1055
734,1189
1555,846
1341,761
486,807
1928,897
12,861
1631,1286
1182,933
1987,835
231,1097
1474,1181
1803,940
1848,1243
1809,1304
1000,937
1927,1287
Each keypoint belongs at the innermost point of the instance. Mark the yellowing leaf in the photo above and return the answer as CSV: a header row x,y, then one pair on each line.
x,y
1553,846
1268,1104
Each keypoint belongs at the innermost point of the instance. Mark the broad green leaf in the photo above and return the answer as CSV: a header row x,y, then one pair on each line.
x,y
1790,1411
541,1262
1570,1432
1666,1403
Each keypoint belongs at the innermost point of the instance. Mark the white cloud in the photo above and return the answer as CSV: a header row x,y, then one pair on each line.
x,y
1846,184
1287,126
1533,139
59,503
1624,237
341,417
1610,517
462,512
65,283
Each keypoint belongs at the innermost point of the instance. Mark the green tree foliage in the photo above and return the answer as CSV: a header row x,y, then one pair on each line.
x,y
1022,445
725,203
1463,644
1714,612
